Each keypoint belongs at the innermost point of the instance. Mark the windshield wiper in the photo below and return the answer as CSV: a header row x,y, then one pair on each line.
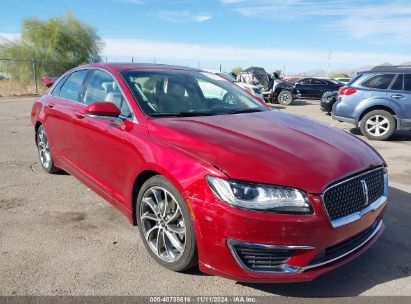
x,y
248,110
183,114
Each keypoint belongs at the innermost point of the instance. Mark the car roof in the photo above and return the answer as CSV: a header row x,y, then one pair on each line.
x,y
390,68
139,66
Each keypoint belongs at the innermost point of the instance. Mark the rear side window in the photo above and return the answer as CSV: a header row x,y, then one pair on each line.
x,y
407,82
354,79
72,87
397,85
317,81
305,81
380,82
56,90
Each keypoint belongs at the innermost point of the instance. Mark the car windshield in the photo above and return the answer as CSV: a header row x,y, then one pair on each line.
x,y
188,93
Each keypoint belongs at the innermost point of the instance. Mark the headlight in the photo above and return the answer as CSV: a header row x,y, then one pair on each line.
x,y
260,197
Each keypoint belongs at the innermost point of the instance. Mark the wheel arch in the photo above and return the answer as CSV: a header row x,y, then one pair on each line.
x,y
141,178
377,107
36,128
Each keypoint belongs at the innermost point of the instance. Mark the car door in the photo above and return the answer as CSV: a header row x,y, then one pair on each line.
x,y
403,98
304,87
318,87
106,150
60,111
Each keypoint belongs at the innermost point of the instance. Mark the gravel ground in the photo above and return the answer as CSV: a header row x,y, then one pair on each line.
x,y
59,238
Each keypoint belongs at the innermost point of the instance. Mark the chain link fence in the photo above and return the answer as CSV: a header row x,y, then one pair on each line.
x,y
23,76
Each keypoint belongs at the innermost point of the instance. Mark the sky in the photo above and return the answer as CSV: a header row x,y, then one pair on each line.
x,y
294,35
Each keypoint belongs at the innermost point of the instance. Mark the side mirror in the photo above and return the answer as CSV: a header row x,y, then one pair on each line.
x,y
107,109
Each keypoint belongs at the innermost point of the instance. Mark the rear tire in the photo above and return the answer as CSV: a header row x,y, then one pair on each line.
x,y
285,98
378,125
325,94
44,150
165,225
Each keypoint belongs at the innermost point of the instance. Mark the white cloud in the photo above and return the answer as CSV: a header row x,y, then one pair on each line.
x,y
9,36
189,52
183,16
357,19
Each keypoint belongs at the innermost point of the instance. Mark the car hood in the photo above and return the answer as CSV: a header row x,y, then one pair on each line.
x,y
270,147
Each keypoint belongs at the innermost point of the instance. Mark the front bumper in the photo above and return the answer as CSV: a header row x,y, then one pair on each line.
x,y
309,236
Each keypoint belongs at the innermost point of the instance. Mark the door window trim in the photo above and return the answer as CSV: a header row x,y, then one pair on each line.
x,y
87,83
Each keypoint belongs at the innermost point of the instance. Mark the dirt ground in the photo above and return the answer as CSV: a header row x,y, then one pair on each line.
x,y
59,238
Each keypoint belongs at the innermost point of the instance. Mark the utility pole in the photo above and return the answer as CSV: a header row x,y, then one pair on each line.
x,y
328,63
132,59
33,60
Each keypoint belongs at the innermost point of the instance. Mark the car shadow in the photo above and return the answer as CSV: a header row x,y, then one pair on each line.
x,y
387,260
398,135
305,102
276,106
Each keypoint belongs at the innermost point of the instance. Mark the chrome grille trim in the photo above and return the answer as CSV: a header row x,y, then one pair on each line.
x,y
370,208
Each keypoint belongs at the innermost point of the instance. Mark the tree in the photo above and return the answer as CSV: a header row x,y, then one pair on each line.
x,y
339,75
237,70
279,72
57,44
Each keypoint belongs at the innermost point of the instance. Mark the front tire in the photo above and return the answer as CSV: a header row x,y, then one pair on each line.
x,y
165,225
378,125
45,154
285,98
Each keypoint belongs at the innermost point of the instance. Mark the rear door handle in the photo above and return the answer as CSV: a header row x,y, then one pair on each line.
x,y
398,96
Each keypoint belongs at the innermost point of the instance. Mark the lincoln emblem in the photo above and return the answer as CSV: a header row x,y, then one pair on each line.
x,y
365,191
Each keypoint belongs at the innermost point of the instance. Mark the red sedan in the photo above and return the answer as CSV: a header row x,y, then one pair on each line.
x,y
243,191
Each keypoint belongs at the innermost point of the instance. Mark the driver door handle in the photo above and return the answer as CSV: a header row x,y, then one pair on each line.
x,y
398,96
80,115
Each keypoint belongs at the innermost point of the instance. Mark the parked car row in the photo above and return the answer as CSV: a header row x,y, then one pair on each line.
x,y
378,101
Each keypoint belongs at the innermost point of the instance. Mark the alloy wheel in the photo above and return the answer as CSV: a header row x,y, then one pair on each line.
x,y
44,148
162,223
377,125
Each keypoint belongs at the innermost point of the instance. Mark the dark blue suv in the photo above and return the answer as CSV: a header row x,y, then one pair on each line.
x,y
379,101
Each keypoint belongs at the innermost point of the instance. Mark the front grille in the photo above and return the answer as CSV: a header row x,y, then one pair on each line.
x,y
347,197
257,258
336,251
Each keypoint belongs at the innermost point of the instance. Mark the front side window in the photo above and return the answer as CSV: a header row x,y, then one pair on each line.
x,y
380,82
188,93
71,88
102,87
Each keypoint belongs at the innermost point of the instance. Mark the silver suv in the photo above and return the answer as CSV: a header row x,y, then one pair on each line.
x,y
379,101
